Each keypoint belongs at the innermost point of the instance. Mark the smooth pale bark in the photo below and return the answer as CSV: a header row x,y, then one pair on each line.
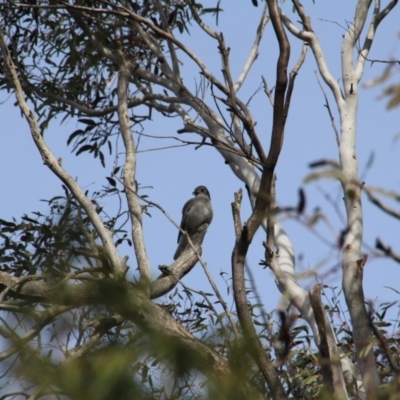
x,y
135,210
352,258
347,101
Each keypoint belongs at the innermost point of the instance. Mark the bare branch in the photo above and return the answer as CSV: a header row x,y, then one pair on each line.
x,y
253,344
385,208
292,76
359,19
220,298
387,250
237,220
350,75
263,206
332,373
328,107
101,326
268,91
174,57
45,317
254,49
106,110
130,171
271,219
200,22
376,20
279,115
226,71
311,38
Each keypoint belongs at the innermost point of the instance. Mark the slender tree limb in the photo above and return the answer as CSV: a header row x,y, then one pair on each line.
x,y
279,116
268,91
252,341
242,112
45,317
156,50
254,49
101,327
226,70
237,220
174,57
356,27
158,80
332,373
172,275
385,208
292,76
349,74
220,298
200,22
263,206
130,171
280,257
387,250
311,38
363,54
106,110
328,107
271,219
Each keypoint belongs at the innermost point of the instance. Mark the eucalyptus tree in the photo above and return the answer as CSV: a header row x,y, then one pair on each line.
x,y
65,270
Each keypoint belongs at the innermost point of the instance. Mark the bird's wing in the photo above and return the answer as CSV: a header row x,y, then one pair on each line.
x,y
186,208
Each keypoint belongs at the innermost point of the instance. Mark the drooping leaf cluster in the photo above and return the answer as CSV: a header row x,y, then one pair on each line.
x,y
66,73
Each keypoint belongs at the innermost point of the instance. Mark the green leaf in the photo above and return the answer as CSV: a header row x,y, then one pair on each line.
x,y
87,121
86,147
111,181
73,135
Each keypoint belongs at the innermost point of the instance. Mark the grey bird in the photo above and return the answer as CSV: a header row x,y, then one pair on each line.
x,y
196,212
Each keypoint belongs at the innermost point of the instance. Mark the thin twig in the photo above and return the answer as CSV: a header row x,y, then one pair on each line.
x,y
328,107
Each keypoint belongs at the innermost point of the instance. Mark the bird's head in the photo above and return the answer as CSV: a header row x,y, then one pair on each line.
x,y
202,190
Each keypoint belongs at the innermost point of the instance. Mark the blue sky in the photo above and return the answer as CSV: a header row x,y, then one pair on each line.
x,y
172,174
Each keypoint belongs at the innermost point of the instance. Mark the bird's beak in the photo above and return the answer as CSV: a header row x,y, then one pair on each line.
x,y
194,193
